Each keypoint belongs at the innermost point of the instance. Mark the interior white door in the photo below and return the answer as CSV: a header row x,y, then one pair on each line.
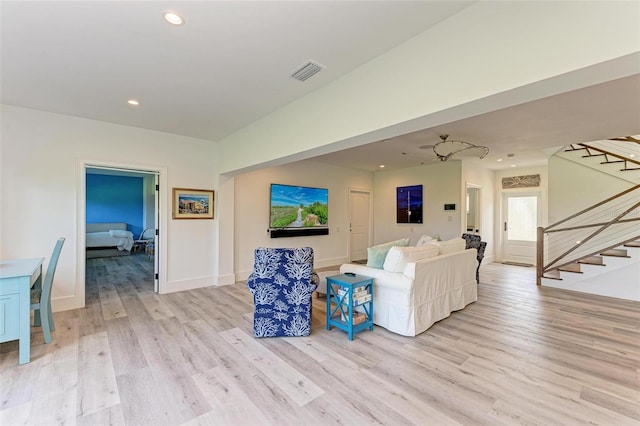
x,y
360,225
520,213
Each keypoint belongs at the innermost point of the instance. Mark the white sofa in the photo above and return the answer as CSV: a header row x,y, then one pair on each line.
x,y
426,291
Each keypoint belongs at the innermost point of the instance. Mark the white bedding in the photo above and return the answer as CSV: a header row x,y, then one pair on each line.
x,y
123,240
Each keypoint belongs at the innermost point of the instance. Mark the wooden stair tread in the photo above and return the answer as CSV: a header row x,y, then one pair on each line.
x,y
632,244
615,253
573,267
592,260
553,274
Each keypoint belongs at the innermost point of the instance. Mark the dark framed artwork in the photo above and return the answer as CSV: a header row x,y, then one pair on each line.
x,y
409,204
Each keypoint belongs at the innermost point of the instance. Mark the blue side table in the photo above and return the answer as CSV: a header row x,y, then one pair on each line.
x,y
340,302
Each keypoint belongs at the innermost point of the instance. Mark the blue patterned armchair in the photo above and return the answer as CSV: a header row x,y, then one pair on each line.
x,y
282,283
475,241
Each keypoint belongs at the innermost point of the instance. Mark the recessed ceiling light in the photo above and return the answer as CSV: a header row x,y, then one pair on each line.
x,y
631,155
499,160
381,166
513,165
173,18
133,102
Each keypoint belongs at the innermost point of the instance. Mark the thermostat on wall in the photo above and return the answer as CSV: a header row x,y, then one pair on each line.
x,y
450,207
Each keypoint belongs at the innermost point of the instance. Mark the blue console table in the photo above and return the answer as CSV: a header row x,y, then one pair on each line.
x,y
340,302
16,279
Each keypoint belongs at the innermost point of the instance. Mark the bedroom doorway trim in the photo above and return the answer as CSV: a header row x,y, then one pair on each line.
x,y
162,207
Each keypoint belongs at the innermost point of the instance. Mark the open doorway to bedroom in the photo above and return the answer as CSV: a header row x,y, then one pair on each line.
x,y
121,224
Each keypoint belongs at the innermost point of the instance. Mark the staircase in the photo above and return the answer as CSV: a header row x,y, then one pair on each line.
x,y
597,250
613,273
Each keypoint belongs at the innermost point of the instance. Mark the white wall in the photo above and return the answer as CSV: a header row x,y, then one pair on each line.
x,y
542,190
573,187
426,80
41,179
440,184
474,172
252,211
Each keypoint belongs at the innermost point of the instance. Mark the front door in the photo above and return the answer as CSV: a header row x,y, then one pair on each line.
x,y
520,213
359,224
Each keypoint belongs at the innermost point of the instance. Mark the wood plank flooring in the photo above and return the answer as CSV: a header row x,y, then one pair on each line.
x,y
519,355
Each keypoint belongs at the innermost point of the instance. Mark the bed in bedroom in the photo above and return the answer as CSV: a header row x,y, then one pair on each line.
x,y
109,235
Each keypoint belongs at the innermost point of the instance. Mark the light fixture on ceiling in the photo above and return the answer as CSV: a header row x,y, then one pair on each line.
x,y
445,149
172,17
133,102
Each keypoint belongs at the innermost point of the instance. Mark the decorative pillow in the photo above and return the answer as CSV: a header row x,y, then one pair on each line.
x,y
451,246
398,257
424,240
377,254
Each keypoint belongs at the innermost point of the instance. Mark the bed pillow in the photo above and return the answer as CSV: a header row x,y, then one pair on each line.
x,y
424,240
377,254
398,257
451,246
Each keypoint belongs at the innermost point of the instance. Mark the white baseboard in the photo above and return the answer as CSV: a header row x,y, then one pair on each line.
x,y
226,279
64,303
190,284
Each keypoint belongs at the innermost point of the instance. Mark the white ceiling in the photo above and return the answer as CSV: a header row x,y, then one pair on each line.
x,y
227,66
230,65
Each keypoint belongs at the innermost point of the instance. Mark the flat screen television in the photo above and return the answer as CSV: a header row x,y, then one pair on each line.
x,y
298,211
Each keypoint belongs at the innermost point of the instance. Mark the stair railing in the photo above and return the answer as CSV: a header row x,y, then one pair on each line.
x,y
600,227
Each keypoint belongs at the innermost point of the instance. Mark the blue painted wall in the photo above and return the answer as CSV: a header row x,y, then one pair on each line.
x,y
115,199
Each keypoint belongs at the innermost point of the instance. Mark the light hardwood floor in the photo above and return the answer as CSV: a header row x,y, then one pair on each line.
x,y
519,355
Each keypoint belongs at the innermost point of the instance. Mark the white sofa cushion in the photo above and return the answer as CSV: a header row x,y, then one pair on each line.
x,y
450,246
398,257
376,255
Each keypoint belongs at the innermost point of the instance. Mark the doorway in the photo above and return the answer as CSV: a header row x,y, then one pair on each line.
x,y
473,209
359,224
126,197
520,214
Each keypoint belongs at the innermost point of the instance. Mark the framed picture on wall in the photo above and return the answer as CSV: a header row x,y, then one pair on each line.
x,y
192,204
409,204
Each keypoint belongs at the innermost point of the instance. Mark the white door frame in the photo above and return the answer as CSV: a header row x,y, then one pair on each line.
x,y
478,207
370,230
519,193
162,224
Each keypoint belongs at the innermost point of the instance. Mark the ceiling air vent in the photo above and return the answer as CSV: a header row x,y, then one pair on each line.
x,y
308,70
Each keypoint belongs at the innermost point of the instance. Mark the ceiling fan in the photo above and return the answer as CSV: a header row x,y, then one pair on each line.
x,y
445,149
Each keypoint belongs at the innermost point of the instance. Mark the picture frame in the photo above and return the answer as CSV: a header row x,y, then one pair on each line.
x,y
192,203
409,204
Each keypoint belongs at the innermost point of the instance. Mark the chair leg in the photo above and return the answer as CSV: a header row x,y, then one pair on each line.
x,y
52,325
36,318
44,316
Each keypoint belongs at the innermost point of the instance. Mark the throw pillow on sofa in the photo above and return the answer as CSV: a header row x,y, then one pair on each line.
x,y
377,254
398,257
424,240
450,246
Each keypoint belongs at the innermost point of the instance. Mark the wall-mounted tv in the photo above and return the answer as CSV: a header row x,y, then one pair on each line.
x,y
298,211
